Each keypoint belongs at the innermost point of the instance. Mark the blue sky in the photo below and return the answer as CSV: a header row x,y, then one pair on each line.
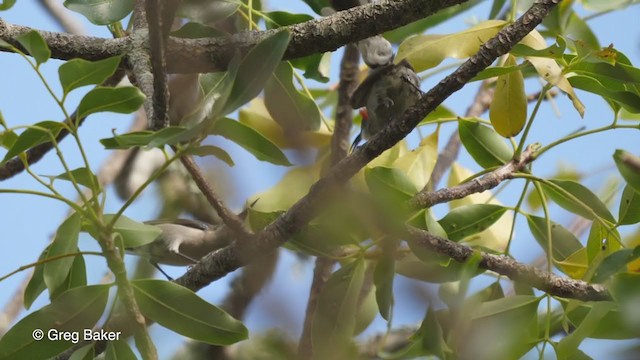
x,y
28,221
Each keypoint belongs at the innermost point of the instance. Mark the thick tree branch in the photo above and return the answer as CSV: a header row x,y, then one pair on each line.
x,y
223,261
67,46
157,44
214,54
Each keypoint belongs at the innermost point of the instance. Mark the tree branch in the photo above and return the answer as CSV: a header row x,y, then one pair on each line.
x,y
233,221
157,43
548,282
213,54
223,261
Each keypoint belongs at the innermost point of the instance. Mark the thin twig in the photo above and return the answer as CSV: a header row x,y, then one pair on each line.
x,y
233,221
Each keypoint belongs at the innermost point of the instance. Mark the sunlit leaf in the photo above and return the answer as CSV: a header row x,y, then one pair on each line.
x,y
419,163
508,110
427,51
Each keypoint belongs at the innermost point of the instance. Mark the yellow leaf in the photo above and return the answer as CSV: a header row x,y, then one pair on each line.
x,y
508,110
549,70
575,265
293,186
257,117
427,51
419,163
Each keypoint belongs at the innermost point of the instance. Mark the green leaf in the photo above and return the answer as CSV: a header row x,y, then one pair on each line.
x,y
133,233
181,310
207,12
504,326
563,241
171,135
390,184
578,199
612,326
467,220
383,276
36,285
8,138
508,110
34,135
255,69
76,73
630,101
73,311
335,315
567,347
601,242
122,100
484,145
291,109
101,12
615,263
35,46
630,174
6,4
119,350
77,277
82,176
629,212
65,242
252,141
206,150
427,51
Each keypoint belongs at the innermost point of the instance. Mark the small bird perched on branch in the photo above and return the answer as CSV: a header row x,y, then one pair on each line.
x,y
386,93
183,242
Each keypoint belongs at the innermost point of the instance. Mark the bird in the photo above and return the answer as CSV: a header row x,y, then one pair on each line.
x,y
386,93
182,242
